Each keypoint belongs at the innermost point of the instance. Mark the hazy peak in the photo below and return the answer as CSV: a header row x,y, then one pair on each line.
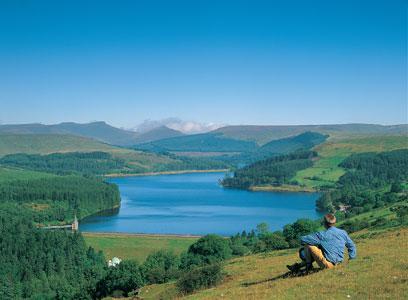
x,y
187,127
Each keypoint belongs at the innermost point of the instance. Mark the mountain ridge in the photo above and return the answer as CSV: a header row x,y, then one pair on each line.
x,y
260,134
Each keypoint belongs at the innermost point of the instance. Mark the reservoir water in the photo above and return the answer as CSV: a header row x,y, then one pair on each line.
x,y
197,204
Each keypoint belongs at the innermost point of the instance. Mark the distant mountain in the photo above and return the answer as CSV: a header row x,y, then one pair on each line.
x,y
205,142
303,141
97,130
226,139
50,143
265,134
159,133
268,139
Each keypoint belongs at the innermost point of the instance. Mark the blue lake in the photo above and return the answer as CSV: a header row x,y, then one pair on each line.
x,y
197,204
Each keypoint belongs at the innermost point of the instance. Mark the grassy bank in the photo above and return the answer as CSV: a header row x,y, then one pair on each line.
x,y
379,272
132,246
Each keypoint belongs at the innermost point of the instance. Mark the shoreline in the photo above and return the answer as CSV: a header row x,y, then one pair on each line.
x,y
283,189
148,235
118,175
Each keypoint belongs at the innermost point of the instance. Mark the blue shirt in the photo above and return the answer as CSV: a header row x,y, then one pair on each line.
x,y
332,242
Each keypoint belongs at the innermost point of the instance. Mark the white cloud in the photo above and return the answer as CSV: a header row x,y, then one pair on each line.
x,y
188,127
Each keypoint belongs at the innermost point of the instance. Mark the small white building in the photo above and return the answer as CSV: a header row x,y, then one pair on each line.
x,y
114,262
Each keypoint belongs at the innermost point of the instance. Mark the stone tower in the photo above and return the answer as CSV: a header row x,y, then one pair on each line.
x,y
75,225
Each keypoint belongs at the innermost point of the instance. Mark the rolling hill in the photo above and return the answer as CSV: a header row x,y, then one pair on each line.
x,y
206,142
96,130
50,143
265,134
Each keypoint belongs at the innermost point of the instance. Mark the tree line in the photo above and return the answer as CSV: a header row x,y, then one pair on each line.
x,y
276,170
92,163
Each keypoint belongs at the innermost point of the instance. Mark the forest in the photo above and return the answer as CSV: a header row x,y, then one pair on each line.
x,y
276,170
44,264
372,180
58,198
92,163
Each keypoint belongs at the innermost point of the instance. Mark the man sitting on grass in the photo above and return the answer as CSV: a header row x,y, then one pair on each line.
x,y
326,247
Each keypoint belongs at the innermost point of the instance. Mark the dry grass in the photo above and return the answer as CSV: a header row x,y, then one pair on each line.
x,y
379,272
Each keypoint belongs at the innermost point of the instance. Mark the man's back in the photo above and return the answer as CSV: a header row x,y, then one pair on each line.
x,y
332,242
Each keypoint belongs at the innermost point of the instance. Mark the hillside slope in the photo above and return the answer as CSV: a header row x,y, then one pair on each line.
x,y
204,142
96,130
49,143
379,272
265,134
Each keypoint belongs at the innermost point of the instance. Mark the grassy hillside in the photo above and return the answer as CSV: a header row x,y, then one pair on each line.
x,y
130,246
325,170
96,130
379,272
49,143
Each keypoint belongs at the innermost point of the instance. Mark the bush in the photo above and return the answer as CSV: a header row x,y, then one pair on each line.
x,y
199,278
274,241
353,226
208,250
125,277
239,249
402,213
160,267
293,232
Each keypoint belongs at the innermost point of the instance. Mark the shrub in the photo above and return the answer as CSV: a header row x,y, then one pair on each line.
x,y
239,249
356,225
209,249
199,278
274,241
125,277
293,232
160,267
402,213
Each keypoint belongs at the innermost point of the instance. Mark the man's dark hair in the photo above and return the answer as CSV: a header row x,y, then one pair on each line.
x,y
329,220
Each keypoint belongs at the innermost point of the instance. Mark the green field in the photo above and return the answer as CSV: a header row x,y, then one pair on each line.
x,y
325,170
137,247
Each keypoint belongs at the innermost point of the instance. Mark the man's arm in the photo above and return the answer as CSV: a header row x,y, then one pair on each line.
x,y
351,247
313,239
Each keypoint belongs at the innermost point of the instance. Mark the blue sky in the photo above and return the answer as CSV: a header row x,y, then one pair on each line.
x,y
235,62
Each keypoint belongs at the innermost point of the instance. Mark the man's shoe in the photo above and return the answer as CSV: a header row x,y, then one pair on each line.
x,y
295,267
